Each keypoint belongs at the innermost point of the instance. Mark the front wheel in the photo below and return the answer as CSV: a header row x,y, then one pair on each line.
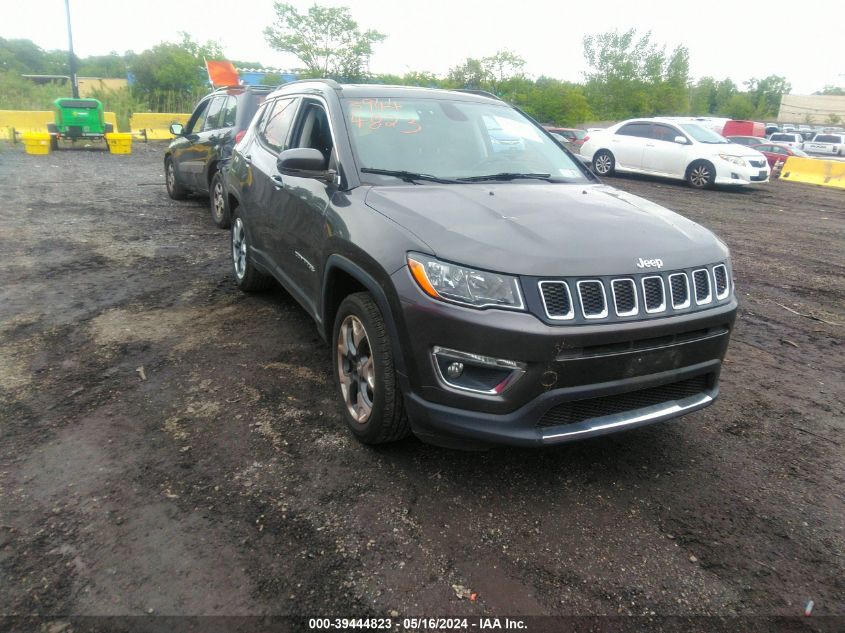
x,y
701,174
365,375
247,276
174,189
603,163
219,205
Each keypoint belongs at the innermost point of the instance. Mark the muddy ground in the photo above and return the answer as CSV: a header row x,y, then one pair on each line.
x,y
172,446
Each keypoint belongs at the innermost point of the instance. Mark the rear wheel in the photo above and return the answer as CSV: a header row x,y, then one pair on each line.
x,y
701,174
247,276
603,163
371,400
174,189
219,205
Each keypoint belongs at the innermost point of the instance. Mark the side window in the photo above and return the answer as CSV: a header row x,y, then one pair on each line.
x,y
212,121
230,111
274,127
635,129
198,118
314,131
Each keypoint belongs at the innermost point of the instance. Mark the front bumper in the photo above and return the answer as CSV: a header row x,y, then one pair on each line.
x,y
730,174
606,367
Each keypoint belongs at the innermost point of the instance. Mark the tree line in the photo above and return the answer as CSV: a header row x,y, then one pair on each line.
x,y
628,74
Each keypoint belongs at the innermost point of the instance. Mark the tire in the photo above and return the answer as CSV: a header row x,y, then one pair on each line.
x,y
603,163
701,174
220,214
365,377
54,143
247,276
174,189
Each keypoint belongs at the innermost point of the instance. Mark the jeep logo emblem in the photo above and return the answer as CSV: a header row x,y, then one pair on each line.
x,y
649,263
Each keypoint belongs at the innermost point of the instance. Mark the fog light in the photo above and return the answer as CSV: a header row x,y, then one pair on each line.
x,y
476,373
455,370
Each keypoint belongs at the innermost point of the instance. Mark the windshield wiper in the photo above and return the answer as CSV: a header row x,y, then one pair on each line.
x,y
407,176
505,175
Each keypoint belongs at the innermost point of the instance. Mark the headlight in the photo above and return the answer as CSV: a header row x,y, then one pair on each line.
x,y
736,160
467,286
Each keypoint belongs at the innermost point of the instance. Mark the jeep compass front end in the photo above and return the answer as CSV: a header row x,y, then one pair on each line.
x,y
476,284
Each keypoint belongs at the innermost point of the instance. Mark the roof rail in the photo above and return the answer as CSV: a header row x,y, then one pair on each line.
x,y
480,93
331,83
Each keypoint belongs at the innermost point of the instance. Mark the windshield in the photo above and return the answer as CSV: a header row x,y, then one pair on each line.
x,y
452,140
702,135
827,138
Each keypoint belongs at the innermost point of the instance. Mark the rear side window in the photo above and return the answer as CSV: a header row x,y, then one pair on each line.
x,y
635,129
230,111
275,125
212,121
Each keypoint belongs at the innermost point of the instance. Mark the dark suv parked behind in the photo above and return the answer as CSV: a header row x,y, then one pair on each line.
x,y
474,290
194,158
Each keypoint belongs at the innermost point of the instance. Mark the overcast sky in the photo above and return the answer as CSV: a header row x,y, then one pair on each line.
x,y
739,40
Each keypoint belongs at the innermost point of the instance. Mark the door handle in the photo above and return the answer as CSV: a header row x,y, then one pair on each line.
x,y
277,181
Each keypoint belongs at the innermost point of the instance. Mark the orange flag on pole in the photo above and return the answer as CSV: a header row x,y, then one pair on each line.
x,y
222,73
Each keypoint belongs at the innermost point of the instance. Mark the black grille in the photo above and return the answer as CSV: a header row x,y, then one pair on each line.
x,y
653,291
557,299
721,276
757,163
592,298
580,410
680,290
702,285
624,295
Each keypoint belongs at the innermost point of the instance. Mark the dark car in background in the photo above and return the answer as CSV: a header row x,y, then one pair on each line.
x,y
468,294
193,160
748,141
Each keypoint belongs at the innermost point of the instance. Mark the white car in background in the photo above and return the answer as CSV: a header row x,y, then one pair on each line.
x,y
793,139
828,143
674,149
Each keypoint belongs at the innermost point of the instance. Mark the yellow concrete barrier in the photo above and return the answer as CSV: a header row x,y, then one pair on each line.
x,y
25,121
156,125
814,171
33,121
111,117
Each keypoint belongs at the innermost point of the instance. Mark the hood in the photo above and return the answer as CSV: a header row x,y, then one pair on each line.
x,y
738,149
546,229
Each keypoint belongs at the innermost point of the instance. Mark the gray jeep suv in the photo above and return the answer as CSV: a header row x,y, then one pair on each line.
x,y
475,282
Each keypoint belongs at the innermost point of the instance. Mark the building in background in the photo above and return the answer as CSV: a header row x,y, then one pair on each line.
x,y
813,109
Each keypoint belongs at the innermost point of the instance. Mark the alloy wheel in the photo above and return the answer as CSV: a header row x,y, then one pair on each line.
x,y
700,176
218,201
356,369
239,248
603,164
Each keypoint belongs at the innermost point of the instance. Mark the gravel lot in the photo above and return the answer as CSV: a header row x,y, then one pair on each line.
x,y
171,446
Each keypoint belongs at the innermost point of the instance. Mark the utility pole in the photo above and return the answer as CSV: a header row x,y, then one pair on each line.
x,y
74,83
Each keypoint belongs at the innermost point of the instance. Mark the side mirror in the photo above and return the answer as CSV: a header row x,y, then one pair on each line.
x,y
176,129
303,161
681,140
